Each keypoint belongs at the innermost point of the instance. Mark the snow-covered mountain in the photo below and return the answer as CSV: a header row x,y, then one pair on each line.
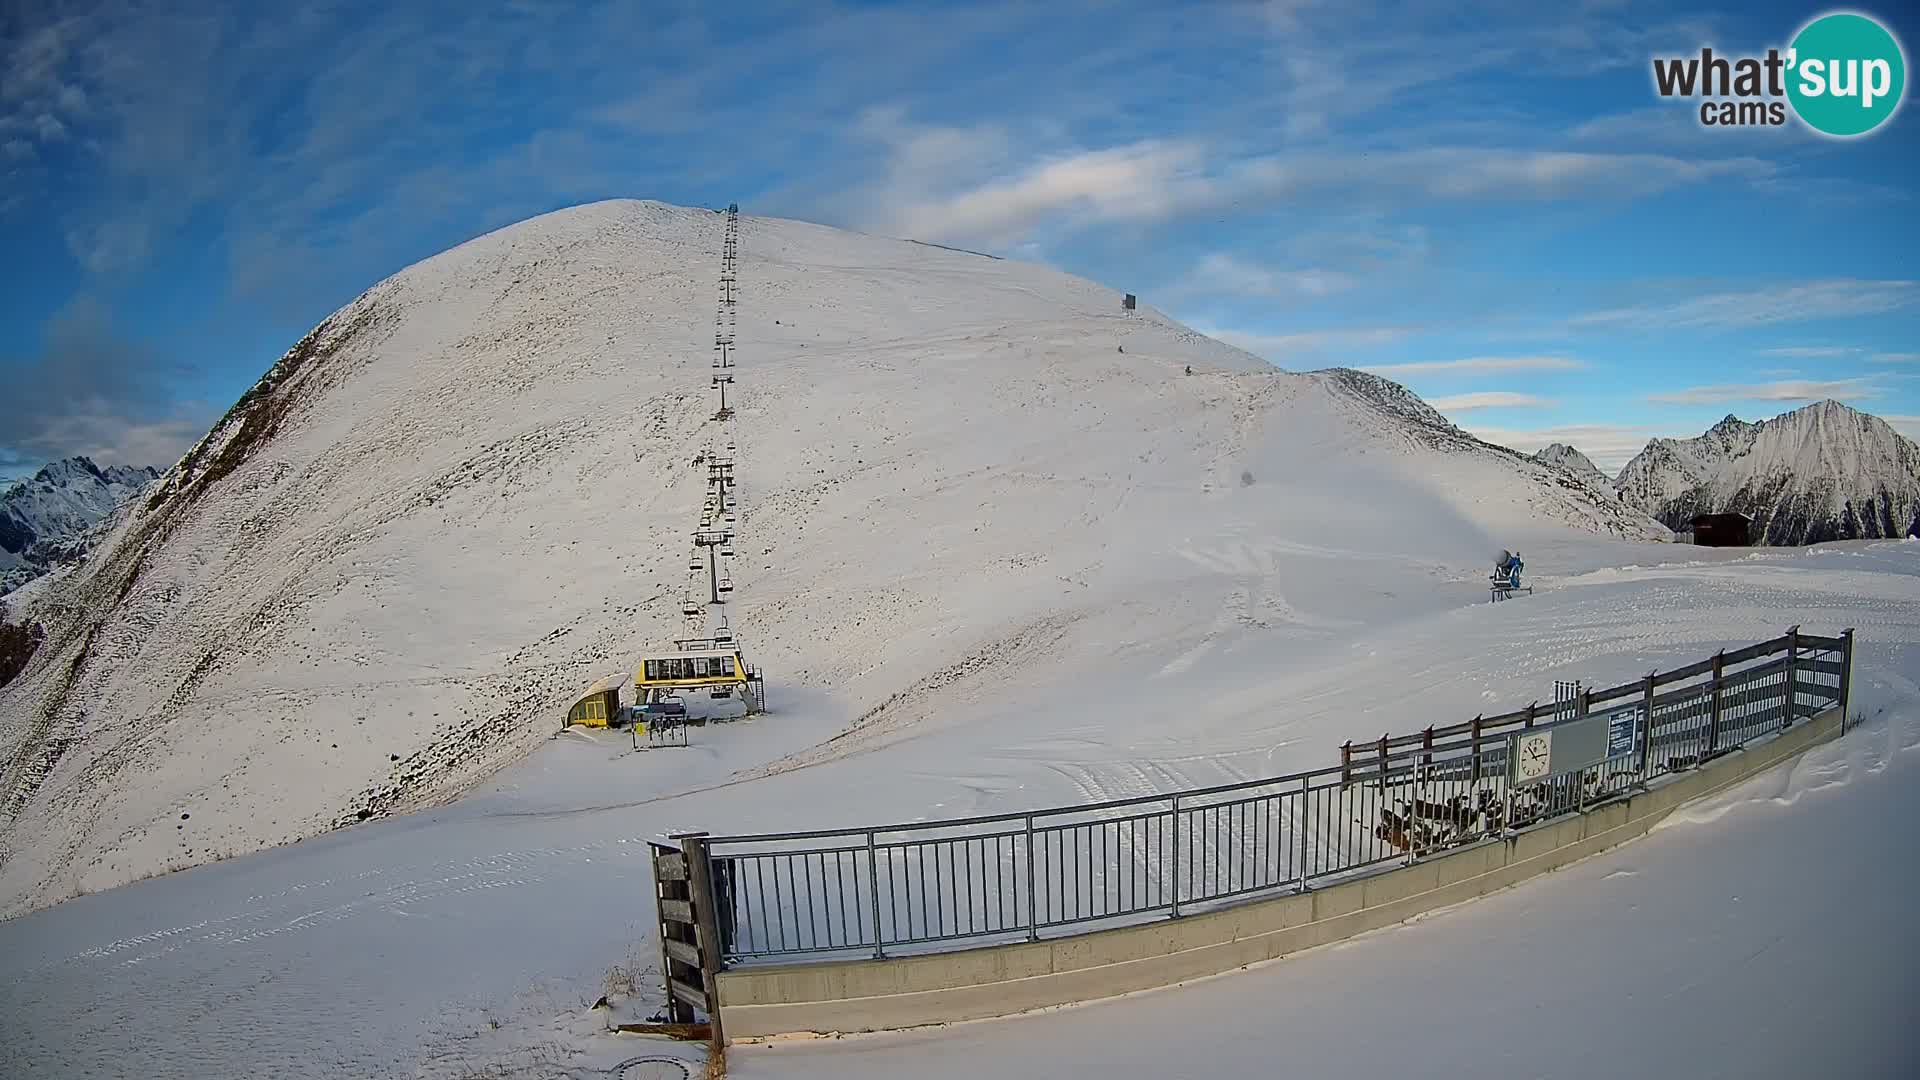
x,y
49,518
1572,460
1822,472
467,493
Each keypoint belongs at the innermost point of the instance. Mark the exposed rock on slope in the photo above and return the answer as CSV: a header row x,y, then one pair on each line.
x,y
1823,472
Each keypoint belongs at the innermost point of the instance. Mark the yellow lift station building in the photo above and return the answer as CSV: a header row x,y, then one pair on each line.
x,y
600,705
700,663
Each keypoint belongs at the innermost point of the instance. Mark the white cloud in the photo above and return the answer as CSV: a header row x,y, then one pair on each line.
x,y
1476,365
1608,446
1826,299
1220,273
1905,425
976,189
1488,399
17,149
1282,347
1140,181
1895,358
1812,351
1792,390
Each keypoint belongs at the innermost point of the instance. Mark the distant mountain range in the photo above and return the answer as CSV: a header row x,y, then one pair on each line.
x,y
1823,472
1573,460
53,516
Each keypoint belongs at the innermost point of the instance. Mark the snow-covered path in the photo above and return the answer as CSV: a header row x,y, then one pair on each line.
x,y
1768,932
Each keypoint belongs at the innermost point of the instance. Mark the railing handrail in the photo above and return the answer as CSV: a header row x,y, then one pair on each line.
x,y
1491,734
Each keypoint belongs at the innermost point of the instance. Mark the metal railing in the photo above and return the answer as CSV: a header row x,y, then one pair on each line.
x,y
938,885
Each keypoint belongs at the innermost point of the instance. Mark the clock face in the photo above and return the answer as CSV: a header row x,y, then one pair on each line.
x,y
1535,755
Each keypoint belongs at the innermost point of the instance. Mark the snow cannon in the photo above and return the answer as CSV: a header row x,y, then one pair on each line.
x,y
1505,579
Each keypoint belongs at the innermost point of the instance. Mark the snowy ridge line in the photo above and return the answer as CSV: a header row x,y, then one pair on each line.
x,y
1126,860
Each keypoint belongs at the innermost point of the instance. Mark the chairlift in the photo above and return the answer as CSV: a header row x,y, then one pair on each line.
x,y
726,585
695,564
689,608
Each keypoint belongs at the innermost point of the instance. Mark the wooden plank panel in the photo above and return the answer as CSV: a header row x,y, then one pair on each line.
x,y
677,911
1755,651
1688,672
692,995
683,952
670,867
1814,641
1635,689
1827,667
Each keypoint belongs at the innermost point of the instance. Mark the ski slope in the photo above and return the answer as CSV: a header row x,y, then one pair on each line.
x,y
388,949
997,551
964,482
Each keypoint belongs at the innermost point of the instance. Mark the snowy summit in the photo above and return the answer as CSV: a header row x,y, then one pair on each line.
x,y
464,496
45,518
1818,473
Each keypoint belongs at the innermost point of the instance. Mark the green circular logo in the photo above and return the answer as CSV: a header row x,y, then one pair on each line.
x,y
1846,74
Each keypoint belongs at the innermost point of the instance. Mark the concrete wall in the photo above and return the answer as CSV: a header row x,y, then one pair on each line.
x,y
907,991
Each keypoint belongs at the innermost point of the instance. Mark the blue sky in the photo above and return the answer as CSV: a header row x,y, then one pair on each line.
x,y
1485,202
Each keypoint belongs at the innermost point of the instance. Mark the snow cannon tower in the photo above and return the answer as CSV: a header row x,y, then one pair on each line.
x,y
1505,579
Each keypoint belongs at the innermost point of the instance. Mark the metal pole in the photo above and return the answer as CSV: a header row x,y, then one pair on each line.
x,y
1846,676
873,887
1646,731
1413,809
1033,919
1581,706
1305,827
1793,673
1176,856
1713,719
713,577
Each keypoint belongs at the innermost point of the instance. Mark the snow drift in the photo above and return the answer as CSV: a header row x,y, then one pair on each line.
x,y
466,493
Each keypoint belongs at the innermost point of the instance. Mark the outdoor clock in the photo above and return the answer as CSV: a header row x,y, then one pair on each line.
x,y
1533,755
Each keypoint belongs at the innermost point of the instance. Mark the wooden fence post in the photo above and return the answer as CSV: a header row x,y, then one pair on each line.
x,y
1346,764
1476,751
693,846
